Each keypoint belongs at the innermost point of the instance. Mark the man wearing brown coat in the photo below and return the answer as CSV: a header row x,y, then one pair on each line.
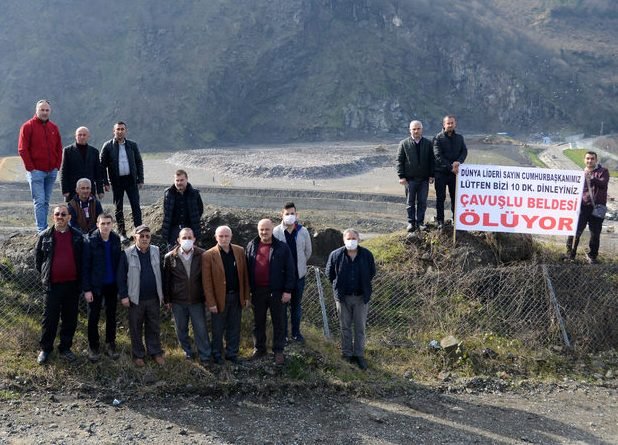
x,y
226,285
183,291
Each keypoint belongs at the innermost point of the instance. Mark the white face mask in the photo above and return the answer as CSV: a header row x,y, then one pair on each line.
x,y
186,244
289,219
351,244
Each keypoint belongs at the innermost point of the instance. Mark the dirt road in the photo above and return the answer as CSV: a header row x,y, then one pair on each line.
x,y
569,414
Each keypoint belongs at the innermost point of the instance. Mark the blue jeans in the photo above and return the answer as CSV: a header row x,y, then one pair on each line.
x,y
417,201
41,187
296,309
228,323
194,312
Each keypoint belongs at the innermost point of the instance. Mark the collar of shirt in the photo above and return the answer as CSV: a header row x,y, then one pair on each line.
x,y
186,255
416,141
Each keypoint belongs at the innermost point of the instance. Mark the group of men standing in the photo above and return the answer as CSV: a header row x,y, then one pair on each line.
x,y
421,162
118,166
222,280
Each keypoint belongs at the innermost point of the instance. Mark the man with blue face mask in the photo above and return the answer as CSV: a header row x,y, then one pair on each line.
x,y
350,269
184,294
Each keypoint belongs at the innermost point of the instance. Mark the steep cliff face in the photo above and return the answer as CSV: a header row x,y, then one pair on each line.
x,y
192,73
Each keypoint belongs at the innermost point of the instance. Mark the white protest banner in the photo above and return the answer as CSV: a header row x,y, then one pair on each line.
x,y
493,198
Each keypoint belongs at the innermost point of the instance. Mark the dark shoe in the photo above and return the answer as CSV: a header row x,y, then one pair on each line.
x,y
279,358
93,355
232,359
362,364
591,259
42,358
139,362
188,356
218,360
440,225
422,228
68,356
159,359
111,351
348,358
299,339
411,228
257,354
205,363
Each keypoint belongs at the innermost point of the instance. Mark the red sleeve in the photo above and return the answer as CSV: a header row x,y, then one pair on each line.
x,y
23,146
58,149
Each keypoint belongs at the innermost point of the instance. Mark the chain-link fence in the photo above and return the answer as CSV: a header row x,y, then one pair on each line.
x,y
539,305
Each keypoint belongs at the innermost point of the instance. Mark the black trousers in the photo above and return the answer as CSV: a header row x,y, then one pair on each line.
x,y
61,303
442,181
109,294
144,319
264,300
594,224
121,185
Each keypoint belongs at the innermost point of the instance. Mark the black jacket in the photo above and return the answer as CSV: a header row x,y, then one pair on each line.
x,y
44,253
75,167
94,260
109,161
413,164
337,271
447,150
282,276
194,208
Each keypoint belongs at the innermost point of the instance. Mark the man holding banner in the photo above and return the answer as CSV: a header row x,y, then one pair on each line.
x,y
592,211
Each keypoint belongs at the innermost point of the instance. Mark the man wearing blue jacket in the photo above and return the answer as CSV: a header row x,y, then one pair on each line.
x,y
271,280
350,269
100,262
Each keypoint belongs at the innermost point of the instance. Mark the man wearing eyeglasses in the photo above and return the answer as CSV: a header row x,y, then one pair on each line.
x,y
140,290
58,258
40,148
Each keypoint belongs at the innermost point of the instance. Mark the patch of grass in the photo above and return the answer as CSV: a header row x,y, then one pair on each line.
x,y
533,156
387,248
576,155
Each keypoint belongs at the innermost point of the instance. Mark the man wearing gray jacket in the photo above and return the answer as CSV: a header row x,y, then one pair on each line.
x,y
297,237
140,289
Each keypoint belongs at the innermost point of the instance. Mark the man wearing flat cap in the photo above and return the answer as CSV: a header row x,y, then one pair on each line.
x,y
140,289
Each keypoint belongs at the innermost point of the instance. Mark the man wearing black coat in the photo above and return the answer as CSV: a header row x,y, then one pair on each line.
x,y
449,150
122,163
100,263
415,170
58,258
271,280
182,207
80,160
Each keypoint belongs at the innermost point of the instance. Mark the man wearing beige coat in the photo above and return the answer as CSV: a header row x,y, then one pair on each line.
x,y
226,287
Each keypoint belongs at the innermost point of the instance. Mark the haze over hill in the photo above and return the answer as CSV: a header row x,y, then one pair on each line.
x,y
189,74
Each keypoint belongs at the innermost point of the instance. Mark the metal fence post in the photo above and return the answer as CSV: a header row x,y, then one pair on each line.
x,y
554,302
318,282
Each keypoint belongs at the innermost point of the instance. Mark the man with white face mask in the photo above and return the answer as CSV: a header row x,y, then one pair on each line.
x,y
297,237
350,269
183,292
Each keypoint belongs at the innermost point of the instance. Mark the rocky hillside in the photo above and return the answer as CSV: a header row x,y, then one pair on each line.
x,y
193,73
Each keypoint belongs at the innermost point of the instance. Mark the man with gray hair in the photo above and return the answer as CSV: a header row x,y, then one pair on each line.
x,y
40,148
350,269
415,170
81,160
84,208
226,286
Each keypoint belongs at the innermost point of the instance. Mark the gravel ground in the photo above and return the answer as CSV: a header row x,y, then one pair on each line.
x,y
554,414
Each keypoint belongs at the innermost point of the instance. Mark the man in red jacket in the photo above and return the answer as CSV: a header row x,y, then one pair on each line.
x,y
40,148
